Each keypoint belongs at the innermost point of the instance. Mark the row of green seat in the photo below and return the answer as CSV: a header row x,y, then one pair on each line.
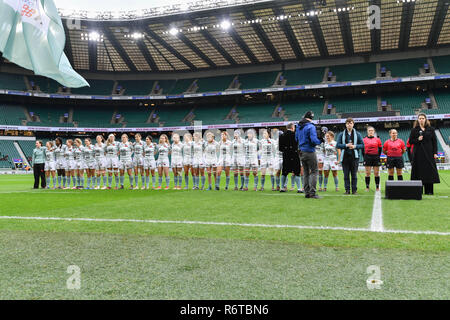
x,y
353,72
445,131
11,114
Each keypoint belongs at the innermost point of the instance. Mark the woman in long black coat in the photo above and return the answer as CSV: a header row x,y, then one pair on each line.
x,y
424,154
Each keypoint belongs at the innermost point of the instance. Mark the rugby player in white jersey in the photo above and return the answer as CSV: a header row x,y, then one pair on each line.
x,y
188,152
138,161
163,163
251,159
320,152
100,161
177,161
50,164
238,161
70,164
149,162
79,163
89,162
125,161
277,164
61,165
225,159
112,160
210,152
330,162
267,150
198,161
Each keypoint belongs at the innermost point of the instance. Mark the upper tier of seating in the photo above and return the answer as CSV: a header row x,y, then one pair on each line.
x,y
352,72
446,134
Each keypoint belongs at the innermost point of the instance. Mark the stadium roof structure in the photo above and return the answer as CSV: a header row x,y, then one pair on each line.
x,y
267,32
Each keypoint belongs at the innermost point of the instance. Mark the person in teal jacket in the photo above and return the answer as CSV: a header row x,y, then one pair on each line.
x,y
351,143
38,163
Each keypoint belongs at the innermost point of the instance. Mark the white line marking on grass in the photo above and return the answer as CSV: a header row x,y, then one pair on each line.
x,y
377,214
277,226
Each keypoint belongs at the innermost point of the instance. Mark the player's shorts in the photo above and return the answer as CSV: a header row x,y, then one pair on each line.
x,y
198,163
61,164
126,164
91,165
50,166
395,162
138,162
371,160
210,163
100,164
149,164
70,165
265,163
320,158
330,164
224,162
251,164
277,164
177,162
112,163
187,161
238,162
163,163
80,165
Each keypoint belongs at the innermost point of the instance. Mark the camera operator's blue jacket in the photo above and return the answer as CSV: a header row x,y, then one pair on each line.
x,y
306,135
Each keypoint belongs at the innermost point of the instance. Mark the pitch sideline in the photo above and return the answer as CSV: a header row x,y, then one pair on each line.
x,y
226,224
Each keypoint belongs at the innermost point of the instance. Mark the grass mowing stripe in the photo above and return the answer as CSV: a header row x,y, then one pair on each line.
x,y
377,214
224,224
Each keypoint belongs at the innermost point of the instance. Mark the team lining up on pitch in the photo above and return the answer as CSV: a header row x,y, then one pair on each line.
x,y
104,159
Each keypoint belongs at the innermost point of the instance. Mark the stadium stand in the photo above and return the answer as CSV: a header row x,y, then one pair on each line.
x,y
445,131
215,115
304,76
214,84
12,82
165,86
45,84
171,116
442,64
406,103
363,71
181,86
256,113
443,100
257,80
354,104
93,117
404,68
27,147
97,87
136,117
7,148
11,114
294,111
137,88
49,115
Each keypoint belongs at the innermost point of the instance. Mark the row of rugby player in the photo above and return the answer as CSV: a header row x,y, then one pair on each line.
x,y
105,159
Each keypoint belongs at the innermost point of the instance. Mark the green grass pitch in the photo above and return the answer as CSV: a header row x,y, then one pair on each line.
x,y
136,258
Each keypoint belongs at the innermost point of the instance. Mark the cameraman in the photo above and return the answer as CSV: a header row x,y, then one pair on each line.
x,y
306,135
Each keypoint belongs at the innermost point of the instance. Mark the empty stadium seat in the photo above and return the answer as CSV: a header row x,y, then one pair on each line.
x,y
355,104
406,103
12,82
213,114
257,80
97,87
354,72
137,87
304,76
441,64
214,84
11,114
404,68
93,117
45,84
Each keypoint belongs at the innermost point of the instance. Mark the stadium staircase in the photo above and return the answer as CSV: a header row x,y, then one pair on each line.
x,y
21,153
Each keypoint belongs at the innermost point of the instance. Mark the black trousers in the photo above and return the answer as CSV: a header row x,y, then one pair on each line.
x,y
38,170
350,167
428,188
